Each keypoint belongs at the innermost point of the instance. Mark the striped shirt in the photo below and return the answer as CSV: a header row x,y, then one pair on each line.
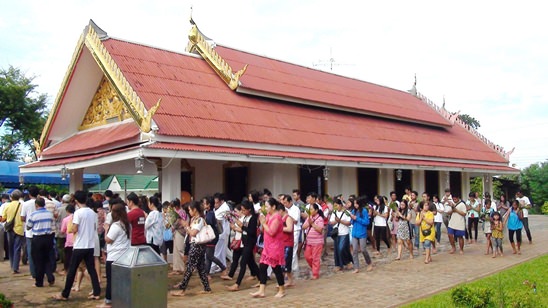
x,y
40,222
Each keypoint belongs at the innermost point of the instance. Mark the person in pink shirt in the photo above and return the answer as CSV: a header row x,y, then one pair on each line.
x,y
273,250
313,227
69,242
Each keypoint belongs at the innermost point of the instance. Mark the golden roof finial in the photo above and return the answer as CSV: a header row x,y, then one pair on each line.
x,y
37,147
147,120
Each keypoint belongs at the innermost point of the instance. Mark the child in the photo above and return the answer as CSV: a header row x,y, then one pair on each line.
x,y
486,218
496,235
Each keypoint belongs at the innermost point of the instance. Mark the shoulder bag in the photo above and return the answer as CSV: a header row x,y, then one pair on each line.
x,y
205,235
9,225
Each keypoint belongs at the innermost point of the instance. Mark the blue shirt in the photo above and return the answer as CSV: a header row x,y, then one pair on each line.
x,y
40,222
514,223
359,225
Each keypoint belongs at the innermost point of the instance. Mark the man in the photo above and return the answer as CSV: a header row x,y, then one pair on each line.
x,y
525,204
40,223
52,195
457,225
407,194
12,211
296,194
84,222
108,196
221,210
136,218
60,237
27,208
295,213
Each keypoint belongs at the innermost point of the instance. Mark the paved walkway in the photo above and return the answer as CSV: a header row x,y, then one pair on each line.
x,y
391,284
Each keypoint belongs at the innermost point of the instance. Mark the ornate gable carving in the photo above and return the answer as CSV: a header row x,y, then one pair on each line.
x,y
106,107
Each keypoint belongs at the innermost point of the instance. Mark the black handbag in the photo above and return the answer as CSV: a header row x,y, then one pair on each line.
x,y
335,230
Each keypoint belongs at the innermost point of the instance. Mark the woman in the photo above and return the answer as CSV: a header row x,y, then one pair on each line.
x,y
438,218
207,203
393,229
513,221
117,241
340,220
273,250
486,214
360,220
179,222
473,207
167,245
288,239
196,257
404,232
503,206
248,227
380,215
425,220
313,227
154,225
69,240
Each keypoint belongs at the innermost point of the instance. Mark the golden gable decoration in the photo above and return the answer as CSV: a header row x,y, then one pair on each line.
x,y
106,107
197,42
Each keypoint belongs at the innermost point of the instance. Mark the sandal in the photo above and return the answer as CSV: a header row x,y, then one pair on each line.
x,y
59,297
94,297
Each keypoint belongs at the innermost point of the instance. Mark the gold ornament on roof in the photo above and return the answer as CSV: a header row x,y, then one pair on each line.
x,y
37,147
106,107
197,42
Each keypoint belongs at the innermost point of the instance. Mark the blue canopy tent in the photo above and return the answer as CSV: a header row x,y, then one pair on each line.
x,y
9,176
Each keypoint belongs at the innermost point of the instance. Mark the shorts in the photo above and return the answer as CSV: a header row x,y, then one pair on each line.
x,y
166,246
456,233
427,244
288,253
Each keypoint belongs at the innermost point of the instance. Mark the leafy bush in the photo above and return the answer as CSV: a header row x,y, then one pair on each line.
x,y
475,298
545,208
4,302
523,299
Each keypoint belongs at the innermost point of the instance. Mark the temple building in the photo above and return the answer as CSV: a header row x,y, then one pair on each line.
x,y
215,118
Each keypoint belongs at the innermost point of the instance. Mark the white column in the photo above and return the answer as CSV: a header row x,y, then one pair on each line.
x,y
171,179
465,185
386,181
488,184
76,180
417,181
443,182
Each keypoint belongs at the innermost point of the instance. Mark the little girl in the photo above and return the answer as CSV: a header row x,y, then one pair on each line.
x,y
486,214
496,234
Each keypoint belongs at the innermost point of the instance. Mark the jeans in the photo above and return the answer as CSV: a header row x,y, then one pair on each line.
x,y
525,222
438,231
358,243
108,292
210,258
32,268
416,234
342,248
15,242
77,256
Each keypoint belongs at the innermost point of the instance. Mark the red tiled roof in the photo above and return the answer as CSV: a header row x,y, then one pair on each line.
x,y
281,78
285,154
197,103
95,140
75,159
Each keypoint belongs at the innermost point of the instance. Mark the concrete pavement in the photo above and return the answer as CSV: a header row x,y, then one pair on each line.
x,y
390,284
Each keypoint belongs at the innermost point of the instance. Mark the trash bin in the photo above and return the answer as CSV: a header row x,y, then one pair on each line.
x,y
139,279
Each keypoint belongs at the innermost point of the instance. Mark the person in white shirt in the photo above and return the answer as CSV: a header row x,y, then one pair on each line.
x,y
295,213
525,204
457,223
438,219
340,220
446,200
255,197
221,210
473,206
26,209
84,225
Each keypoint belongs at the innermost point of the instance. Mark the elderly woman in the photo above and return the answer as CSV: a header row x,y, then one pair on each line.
x,y
313,227
273,250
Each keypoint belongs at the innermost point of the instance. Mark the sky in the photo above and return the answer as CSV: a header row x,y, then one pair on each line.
x,y
487,59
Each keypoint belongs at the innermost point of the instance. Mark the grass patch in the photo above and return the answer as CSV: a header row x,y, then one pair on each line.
x,y
509,288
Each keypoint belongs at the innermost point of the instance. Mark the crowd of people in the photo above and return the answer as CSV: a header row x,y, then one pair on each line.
x,y
262,233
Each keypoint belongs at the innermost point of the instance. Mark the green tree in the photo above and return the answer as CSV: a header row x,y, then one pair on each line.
x,y
470,121
534,182
22,113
